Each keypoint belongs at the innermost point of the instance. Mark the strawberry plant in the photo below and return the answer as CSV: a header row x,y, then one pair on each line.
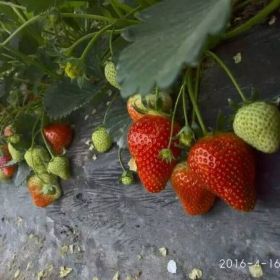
x,y
143,61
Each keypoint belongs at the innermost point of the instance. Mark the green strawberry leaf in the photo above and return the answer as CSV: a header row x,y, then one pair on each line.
x,y
23,172
117,122
172,33
63,98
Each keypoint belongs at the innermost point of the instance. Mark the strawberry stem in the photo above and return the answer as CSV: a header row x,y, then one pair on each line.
x,y
174,113
43,136
157,98
108,109
34,134
194,103
120,159
196,89
185,108
111,42
258,18
93,40
228,72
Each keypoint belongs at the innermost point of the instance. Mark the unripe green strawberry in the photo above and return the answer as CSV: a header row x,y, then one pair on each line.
x,y
37,158
110,72
127,178
101,140
60,167
15,154
258,124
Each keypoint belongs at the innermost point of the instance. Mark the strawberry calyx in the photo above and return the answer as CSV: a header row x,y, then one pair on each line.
x,y
14,139
147,108
166,155
186,136
151,112
49,189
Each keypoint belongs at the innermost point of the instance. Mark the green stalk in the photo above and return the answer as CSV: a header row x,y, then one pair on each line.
x,y
92,41
19,29
4,3
123,6
111,43
185,108
108,109
157,98
18,14
98,18
23,19
196,89
33,135
80,40
116,8
258,18
43,136
84,38
228,72
5,28
120,159
194,104
174,113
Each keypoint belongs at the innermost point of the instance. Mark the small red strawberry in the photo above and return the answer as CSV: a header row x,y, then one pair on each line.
x,y
146,139
8,131
6,172
226,165
194,196
59,136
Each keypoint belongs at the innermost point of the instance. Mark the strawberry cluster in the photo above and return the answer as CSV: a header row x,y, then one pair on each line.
x,y
47,163
218,165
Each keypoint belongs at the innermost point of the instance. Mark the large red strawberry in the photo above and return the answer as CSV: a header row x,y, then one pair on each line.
x,y
226,165
194,196
146,139
6,172
59,136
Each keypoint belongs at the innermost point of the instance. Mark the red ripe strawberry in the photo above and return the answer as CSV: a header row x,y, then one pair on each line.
x,y
226,165
7,171
44,189
194,196
146,139
59,136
